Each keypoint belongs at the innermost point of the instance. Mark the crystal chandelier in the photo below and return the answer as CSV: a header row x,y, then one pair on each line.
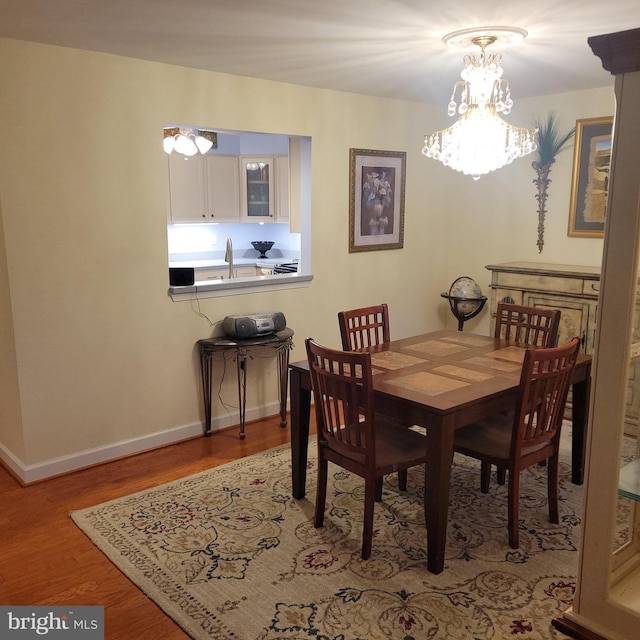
x,y
480,141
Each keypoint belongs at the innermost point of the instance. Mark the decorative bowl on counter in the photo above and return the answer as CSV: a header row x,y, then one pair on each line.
x,y
262,246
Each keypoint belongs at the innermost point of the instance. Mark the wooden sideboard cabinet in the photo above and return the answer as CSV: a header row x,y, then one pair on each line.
x,y
572,289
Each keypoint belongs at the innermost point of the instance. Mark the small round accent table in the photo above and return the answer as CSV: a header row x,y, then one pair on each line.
x,y
281,342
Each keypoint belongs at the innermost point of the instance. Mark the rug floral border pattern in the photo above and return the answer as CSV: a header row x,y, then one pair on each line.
x,y
228,553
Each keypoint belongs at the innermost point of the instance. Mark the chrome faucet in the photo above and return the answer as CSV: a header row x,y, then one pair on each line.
x,y
228,257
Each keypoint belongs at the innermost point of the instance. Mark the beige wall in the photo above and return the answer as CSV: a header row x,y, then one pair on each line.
x,y
11,438
104,361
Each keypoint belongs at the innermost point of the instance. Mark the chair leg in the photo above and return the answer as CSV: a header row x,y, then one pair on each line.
x,y
379,489
402,480
552,489
502,475
321,491
485,476
513,499
370,491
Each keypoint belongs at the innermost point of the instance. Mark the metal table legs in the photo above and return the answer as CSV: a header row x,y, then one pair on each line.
x,y
206,366
242,354
241,361
242,358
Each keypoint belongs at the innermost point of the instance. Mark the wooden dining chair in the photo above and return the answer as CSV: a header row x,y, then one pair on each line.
x,y
529,325
364,327
350,434
531,433
367,327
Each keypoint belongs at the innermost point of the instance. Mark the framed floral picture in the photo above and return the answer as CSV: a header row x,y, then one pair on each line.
x,y
376,199
590,185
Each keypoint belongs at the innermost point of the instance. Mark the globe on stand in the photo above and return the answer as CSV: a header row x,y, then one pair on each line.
x,y
465,299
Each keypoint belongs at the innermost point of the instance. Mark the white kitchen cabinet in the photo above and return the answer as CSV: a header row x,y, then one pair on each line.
x,y
223,188
212,273
282,188
246,272
222,273
218,188
203,188
187,192
257,193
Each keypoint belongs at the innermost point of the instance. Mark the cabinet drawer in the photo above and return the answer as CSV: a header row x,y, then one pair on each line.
x,y
211,274
539,282
591,287
245,272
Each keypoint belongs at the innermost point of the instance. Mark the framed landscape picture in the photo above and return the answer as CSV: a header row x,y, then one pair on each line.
x,y
590,184
376,199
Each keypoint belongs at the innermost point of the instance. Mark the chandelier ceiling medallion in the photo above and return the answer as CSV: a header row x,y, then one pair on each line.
x,y
480,141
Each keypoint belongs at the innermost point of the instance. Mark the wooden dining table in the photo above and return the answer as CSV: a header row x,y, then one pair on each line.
x,y
442,381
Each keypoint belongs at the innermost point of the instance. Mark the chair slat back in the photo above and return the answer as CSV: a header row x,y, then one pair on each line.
x,y
544,384
364,327
529,325
343,398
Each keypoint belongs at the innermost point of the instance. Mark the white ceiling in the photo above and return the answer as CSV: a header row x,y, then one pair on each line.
x,y
389,48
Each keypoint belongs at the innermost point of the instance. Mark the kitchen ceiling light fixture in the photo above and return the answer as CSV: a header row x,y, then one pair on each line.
x,y
480,141
188,141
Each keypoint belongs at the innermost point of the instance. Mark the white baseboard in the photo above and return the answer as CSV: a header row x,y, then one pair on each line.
x,y
28,474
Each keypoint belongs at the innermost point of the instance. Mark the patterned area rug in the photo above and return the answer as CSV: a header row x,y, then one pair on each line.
x,y
229,554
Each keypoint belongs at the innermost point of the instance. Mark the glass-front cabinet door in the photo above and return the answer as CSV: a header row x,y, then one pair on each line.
x,y
625,587
258,195
607,599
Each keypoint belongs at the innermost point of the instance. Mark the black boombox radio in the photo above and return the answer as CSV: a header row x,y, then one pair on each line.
x,y
253,324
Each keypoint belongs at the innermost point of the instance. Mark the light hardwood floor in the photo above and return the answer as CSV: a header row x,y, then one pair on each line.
x,y
46,560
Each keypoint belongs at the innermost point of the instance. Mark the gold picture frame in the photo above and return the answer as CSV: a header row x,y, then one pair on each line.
x,y
376,199
590,183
